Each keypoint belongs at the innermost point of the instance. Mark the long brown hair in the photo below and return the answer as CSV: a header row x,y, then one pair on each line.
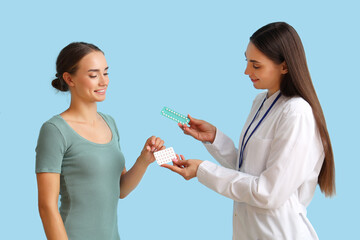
x,y
280,42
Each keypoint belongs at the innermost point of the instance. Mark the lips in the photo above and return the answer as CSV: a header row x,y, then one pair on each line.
x,y
100,91
254,80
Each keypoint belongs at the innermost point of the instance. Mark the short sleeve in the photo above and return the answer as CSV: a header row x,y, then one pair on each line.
x,y
50,149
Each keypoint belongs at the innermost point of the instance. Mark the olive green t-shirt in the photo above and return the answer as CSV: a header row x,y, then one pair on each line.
x,y
89,178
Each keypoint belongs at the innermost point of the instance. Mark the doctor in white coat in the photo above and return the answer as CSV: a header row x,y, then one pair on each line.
x,y
284,149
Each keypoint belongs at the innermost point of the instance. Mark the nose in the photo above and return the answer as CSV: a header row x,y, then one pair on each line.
x,y
104,80
247,69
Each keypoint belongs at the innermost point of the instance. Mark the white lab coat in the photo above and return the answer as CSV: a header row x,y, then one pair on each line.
x,y
277,180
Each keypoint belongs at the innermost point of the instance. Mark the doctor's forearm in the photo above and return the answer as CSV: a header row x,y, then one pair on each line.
x,y
223,150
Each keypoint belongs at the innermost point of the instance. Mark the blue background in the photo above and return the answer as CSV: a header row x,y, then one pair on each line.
x,y
188,55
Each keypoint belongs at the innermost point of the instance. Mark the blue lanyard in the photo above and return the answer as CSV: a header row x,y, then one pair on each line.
x,y
242,149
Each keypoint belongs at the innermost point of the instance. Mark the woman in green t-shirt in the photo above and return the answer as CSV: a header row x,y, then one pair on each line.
x,y
78,154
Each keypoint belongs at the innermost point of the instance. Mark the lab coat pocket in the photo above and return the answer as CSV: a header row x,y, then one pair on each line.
x,y
257,153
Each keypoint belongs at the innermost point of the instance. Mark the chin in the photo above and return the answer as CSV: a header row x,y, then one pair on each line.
x,y
100,99
257,87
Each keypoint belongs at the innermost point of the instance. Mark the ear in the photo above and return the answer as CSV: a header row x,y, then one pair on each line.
x,y
284,68
67,78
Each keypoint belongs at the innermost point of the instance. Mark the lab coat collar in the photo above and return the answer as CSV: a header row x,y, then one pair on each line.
x,y
270,100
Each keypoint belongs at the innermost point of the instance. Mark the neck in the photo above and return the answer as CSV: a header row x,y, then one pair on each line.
x,y
83,111
271,92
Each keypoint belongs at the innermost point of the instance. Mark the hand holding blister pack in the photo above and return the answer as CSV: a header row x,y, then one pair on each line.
x,y
165,156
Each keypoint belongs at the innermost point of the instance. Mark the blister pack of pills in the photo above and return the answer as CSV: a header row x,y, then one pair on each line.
x,y
165,156
177,117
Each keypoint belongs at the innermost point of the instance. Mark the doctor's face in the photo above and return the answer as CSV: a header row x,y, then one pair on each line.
x,y
89,83
263,72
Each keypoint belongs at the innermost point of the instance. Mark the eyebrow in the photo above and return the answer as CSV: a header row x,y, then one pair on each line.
x,y
253,61
97,70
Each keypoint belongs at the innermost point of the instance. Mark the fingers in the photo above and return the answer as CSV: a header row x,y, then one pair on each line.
x,y
155,144
158,144
174,168
186,168
151,141
190,131
180,162
193,120
176,161
184,172
184,128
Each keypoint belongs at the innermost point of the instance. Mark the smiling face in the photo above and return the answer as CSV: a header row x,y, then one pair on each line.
x,y
89,83
263,72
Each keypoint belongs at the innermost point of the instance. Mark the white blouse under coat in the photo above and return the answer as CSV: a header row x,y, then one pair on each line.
x,y
278,177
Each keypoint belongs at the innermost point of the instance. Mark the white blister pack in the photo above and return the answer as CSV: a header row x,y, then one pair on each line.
x,y
165,156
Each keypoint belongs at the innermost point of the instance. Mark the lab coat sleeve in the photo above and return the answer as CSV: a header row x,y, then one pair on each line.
x,y
223,150
294,154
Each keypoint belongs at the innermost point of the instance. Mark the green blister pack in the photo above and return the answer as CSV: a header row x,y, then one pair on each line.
x,y
177,117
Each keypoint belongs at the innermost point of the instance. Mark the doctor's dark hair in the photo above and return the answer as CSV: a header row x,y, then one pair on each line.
x,y
280,42
68,60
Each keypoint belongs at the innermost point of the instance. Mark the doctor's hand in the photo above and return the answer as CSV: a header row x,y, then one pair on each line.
x,y
186,168
199,129
152,145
